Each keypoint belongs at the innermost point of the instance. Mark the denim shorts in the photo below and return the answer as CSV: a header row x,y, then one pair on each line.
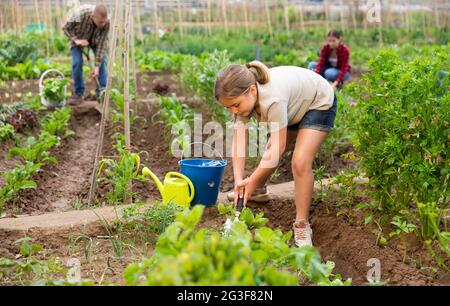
x,y
320,120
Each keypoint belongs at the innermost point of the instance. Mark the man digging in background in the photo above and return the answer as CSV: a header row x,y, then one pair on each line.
x,y
87,27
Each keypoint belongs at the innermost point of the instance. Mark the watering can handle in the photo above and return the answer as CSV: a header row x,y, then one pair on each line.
x,y
191,186
195,142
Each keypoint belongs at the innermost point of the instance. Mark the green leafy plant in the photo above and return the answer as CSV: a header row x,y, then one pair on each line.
x,y
17,179
430,216
177,117
198,76
403,133
252,221
57,122
35,153
186,256
26,269
153,219
54,89
37,150
118,112
119,174
158,60
402,226
7,131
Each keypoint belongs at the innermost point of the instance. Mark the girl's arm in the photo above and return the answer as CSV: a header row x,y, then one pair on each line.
x,y
324,53
343,62
268,164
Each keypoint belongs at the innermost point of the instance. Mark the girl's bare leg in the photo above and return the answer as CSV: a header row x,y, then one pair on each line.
x,y
308,144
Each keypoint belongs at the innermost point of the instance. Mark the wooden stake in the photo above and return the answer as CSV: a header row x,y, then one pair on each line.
x,y
269,22
126,61
245,4
105,106
286,16
128,199
327,14
120,47
133,54
351,7
380,30
209,17
224,16
302,17
14,15
155,17
341,15
436,14
407,15
2,18
139,24
180,19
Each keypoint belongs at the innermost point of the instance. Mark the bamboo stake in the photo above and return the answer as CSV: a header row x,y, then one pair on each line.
x,y
436,15
14,15
380,29
407,16
209,17
155,17
180,21
269,23
133,54
120,48
224,16
286,16
126,62
45,13
341,15
105,106
351,7
2,18
327,15
128,198
302,17
50,27
426,21
19,15
139,24
389,12
245,4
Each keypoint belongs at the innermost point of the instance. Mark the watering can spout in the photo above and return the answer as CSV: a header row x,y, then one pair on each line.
x,y
147,172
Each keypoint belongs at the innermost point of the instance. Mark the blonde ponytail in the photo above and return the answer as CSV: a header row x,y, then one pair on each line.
x,y
234,80
260,71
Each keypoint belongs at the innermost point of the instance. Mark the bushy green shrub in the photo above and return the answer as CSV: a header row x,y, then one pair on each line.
x,y
403,131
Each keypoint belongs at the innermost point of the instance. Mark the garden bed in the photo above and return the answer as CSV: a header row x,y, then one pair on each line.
x,y
342,241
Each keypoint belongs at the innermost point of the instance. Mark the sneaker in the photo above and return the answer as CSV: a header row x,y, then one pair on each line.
x,y
261,195
302,234
76,100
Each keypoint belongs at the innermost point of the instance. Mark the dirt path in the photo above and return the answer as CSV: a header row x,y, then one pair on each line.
x,y
59,186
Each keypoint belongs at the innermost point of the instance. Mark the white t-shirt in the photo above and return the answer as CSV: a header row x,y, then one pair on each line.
x,y
290,93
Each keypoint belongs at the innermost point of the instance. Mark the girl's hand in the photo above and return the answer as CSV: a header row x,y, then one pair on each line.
x,y
249,186
334,85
